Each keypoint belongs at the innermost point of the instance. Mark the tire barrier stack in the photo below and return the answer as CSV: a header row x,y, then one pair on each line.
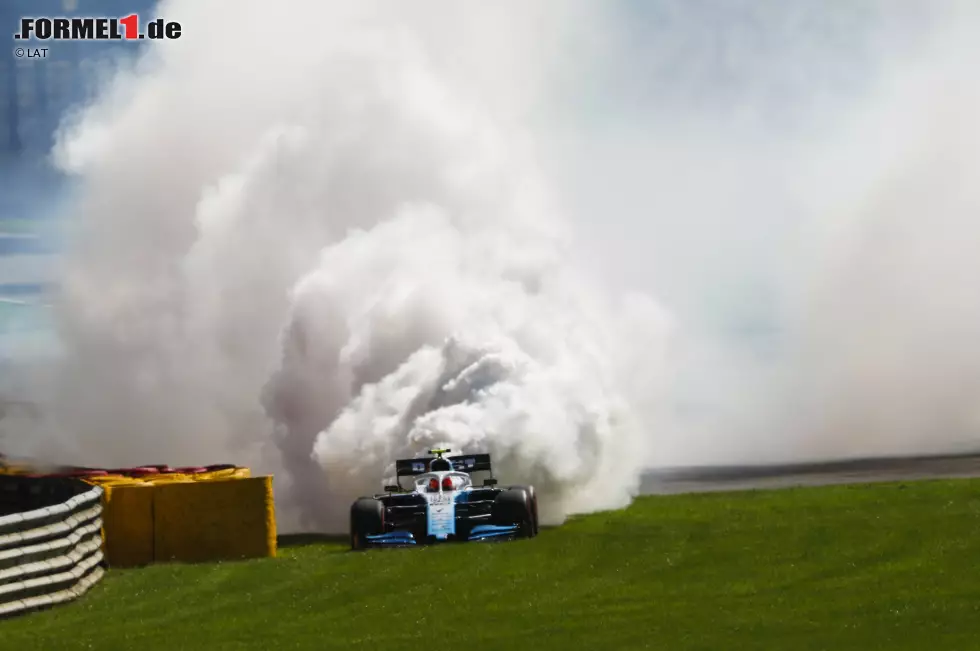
x,y
159,513
50,541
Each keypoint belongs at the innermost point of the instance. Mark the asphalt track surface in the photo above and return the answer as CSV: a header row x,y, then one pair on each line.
x,y
703,479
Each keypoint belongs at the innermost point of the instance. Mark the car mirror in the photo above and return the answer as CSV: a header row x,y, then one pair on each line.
x,y
490,482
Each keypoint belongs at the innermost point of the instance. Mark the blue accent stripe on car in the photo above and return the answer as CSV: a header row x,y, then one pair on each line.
x,y
392,538
490,531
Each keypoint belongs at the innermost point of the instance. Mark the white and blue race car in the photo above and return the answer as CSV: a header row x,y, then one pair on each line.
x,y
443,505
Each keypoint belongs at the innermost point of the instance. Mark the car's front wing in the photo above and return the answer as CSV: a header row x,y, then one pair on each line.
x,y
480,532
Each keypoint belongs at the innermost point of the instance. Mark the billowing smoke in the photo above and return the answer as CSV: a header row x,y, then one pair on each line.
x,y
883,356
798,184
318,256
419,226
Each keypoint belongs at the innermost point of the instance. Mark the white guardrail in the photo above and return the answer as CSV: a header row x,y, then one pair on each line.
x,y
50,555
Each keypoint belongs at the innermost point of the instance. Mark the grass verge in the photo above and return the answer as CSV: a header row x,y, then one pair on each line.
x,y
876,566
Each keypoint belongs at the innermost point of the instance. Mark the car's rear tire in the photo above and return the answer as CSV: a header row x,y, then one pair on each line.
x,y
513,506
367,518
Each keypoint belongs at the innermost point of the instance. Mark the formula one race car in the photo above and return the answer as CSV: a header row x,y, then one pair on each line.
x,y
443,505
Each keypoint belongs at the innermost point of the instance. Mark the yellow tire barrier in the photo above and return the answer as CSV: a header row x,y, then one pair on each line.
x,y
186,518
214,520
127,523
179,515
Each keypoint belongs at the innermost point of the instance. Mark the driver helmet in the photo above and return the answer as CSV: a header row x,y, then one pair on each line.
x,y
439,465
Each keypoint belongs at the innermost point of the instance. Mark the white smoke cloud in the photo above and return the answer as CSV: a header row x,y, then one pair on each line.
x,y
316,257
454,340
417,226
882,358
795,182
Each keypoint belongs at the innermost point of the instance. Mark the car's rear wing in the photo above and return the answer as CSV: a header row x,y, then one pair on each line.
x,y
463,463
472,463
411,467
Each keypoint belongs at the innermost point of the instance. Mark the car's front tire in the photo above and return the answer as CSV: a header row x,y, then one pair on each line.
x,y
366,519
532,498
514,506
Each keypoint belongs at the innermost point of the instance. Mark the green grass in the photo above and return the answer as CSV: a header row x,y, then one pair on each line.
x,y
885,566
